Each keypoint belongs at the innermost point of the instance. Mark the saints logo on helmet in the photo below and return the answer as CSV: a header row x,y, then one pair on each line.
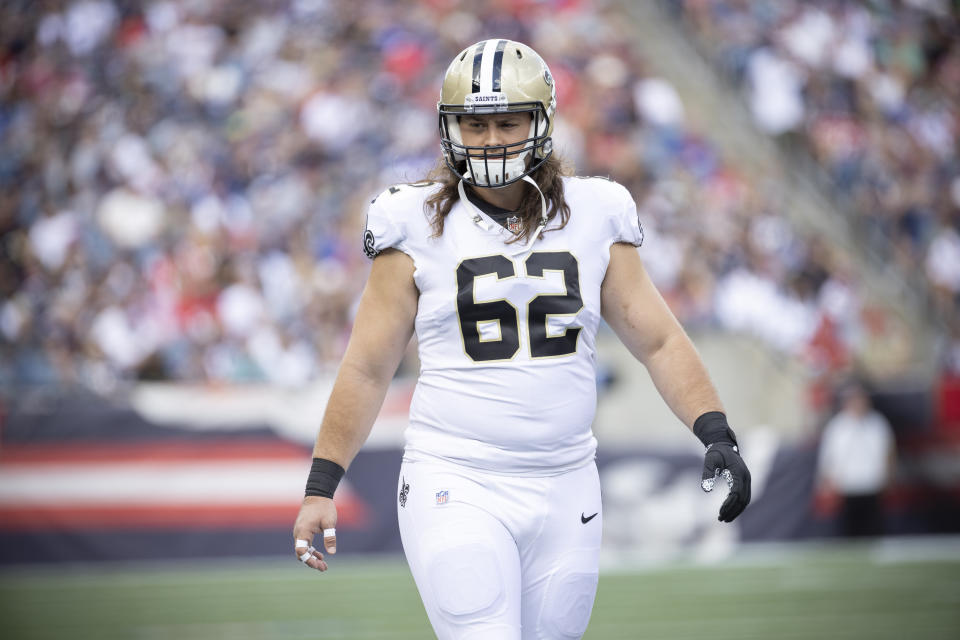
x,y
490,77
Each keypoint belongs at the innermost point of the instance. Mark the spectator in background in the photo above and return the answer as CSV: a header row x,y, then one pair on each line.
x,y
149,147
856,462
870,89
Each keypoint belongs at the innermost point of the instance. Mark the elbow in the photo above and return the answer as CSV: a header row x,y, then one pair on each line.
x,y
365,371
359,367
656,346
663,345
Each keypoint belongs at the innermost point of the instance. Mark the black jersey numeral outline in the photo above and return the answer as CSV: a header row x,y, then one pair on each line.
x,y
471,314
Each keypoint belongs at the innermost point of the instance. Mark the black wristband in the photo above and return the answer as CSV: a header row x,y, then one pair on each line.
x,y
712,428
324,477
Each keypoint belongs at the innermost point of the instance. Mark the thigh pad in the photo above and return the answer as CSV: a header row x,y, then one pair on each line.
x,y
466,581
568,602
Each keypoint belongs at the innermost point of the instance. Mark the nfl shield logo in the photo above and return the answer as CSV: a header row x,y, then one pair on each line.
x,y
513,224
443,496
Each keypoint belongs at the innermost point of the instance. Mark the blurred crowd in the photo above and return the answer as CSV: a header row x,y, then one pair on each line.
x,y
872,89
183,182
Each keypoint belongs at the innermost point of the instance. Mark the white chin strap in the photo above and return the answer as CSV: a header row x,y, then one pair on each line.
x,y
479,221
543,213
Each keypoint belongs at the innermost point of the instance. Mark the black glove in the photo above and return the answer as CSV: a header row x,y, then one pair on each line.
x,y
722,459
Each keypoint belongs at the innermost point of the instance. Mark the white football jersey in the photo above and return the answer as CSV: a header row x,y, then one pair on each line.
x,y
507,335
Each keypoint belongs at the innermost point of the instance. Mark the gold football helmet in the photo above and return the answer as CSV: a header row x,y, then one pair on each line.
x,y
497,76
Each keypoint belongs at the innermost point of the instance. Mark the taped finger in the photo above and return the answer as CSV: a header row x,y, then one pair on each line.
x,y
301,544
306,555
330,540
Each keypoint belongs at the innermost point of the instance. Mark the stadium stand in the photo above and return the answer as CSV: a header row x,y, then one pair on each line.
x,y
191,180
867,92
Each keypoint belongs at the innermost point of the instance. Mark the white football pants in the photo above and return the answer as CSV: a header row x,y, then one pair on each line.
x,y
498,557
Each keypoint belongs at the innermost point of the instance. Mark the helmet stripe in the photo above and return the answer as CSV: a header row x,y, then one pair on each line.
x,y
498,64
486,66
477,57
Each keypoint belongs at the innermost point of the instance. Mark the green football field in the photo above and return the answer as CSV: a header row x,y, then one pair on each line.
x,y
873,592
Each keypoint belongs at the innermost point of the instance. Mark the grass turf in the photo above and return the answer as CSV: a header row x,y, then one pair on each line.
x,y
838,593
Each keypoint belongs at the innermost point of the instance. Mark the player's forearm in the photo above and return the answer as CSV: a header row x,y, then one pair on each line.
x,y
353,407
682,379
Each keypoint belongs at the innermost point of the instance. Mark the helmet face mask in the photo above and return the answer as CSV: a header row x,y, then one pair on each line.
x,y
497,77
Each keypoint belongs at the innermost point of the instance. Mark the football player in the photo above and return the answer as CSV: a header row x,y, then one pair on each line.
x,y
504,267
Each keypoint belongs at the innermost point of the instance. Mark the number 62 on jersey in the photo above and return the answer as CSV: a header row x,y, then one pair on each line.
x,y
472,314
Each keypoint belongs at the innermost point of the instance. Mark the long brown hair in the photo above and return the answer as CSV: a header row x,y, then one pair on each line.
x,y
549,177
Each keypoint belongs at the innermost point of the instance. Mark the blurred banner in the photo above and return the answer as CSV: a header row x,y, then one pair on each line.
x,y
84,480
